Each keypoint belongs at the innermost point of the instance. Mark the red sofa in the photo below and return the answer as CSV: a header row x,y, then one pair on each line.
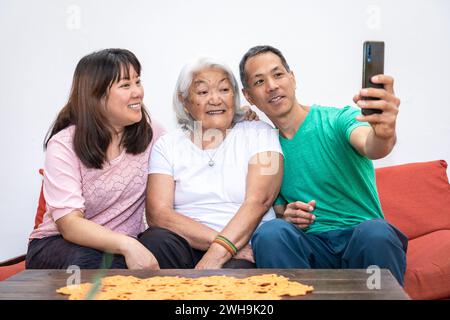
x,y
416,199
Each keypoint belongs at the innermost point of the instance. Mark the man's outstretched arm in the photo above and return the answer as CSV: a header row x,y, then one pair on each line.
x,y
378,140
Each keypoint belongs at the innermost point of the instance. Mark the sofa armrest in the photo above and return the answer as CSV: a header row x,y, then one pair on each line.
x,y
12,261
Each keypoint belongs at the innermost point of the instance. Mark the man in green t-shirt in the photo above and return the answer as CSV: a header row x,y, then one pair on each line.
x,y
328,203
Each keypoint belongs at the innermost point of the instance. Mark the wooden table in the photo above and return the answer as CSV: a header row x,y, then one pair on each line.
x,y
341,284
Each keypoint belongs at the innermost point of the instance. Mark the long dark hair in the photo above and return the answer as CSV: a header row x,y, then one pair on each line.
x,y
94,75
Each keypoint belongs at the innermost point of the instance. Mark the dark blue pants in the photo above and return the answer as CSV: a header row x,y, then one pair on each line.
x,y
280,244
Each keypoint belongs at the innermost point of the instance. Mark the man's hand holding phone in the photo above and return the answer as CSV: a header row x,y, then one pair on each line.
x,y
378,103
382,123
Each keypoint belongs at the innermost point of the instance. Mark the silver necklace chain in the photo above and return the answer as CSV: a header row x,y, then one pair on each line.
x,y
222,145
211,161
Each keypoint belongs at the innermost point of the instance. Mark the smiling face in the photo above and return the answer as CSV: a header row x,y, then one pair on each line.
x,y
124,101
211,99
269,86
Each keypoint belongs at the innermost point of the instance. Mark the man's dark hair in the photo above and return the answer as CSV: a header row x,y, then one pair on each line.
x,y
254,52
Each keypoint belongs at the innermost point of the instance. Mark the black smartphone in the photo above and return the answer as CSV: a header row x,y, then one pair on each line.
x,y
373,64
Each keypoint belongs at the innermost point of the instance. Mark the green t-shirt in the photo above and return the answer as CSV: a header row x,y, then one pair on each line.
x,y
322,165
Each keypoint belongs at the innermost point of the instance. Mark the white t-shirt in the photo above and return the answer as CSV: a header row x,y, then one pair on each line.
x,y
208,194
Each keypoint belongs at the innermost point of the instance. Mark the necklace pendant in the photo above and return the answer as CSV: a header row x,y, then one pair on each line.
x,y
211,163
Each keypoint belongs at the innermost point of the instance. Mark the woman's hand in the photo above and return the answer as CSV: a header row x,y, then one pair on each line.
x,y
246,253
214,258
137,256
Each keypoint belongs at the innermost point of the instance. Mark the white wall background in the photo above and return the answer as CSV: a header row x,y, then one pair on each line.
x,y
41,42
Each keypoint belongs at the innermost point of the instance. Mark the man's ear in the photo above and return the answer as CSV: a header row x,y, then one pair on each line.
x,y
247,96
293,78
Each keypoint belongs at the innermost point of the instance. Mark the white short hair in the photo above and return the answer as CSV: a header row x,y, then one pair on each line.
x,y
184,82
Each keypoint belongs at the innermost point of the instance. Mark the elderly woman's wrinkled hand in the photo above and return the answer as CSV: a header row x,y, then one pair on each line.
x,y
250,114
214,258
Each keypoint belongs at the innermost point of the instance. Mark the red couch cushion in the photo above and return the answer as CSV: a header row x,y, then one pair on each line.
x,y
8,271
415,197
428,263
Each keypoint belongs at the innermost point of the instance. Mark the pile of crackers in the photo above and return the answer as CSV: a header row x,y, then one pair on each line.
x,y
260,287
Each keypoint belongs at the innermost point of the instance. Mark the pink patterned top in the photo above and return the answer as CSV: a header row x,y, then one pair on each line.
x,y
112,196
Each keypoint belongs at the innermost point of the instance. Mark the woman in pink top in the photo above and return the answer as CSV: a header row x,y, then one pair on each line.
x,y
95,170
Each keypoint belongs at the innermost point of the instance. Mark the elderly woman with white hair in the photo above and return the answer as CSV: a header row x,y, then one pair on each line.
x,y
212,181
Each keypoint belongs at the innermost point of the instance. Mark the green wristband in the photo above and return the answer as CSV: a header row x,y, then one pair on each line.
x,y
231,244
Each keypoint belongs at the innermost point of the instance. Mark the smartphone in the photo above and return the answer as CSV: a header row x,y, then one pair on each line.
x,y
373,64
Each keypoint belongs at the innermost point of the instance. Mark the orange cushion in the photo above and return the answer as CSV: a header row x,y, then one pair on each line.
x,y
415,197
428,266
9,271
41,205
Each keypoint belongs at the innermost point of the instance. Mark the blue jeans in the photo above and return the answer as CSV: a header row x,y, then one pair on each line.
x,y
280,244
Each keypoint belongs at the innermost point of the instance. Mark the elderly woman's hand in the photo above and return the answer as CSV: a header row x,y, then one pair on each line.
x,y
214,258
250,114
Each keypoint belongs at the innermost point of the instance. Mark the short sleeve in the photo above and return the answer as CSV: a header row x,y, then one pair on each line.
x,y
263,138
346,122
62,178
160,158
